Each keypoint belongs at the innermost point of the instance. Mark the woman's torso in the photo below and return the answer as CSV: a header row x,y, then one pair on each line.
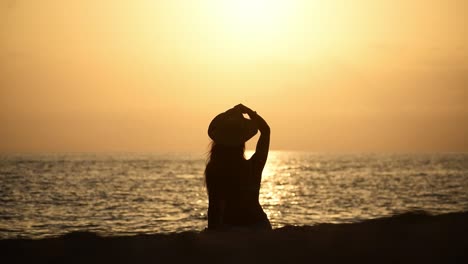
x,y
241,200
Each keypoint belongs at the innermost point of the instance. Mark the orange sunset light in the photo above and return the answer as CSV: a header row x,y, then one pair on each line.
x,y
332,76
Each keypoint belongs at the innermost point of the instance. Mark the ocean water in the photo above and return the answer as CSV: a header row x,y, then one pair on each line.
x,y
122,194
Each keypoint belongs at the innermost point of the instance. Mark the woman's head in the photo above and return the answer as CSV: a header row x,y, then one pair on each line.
x,y
231,129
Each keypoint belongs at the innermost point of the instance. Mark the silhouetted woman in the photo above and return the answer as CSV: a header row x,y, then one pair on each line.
x,y
233,182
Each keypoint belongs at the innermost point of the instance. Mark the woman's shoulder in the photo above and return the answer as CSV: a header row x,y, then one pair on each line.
x,y
254,160
250,162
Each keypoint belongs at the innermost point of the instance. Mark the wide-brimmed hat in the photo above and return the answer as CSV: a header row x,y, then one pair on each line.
x,y
231,128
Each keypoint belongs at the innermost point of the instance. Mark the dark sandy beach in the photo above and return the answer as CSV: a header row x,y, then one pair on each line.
x,y
407,238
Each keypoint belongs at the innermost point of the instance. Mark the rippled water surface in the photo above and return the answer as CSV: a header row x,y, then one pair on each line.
x,y
48,195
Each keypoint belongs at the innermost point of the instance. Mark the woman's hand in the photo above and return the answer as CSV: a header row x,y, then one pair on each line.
x,y
244,109
263,143
261,123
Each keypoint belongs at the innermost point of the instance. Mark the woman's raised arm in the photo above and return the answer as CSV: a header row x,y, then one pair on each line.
x,y
263,144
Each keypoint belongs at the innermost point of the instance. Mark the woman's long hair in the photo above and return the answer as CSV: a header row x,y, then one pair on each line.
x,y
223,167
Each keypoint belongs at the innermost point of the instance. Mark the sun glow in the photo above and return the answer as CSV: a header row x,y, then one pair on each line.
x,y
255,27
246,31
256,16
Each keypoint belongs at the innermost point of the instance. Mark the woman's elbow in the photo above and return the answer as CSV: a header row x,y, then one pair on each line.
x,y
265,130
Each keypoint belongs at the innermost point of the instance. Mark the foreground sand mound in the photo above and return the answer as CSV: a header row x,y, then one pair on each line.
x,y
407,238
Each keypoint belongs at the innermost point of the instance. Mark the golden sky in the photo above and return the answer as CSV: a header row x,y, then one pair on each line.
x,y
328,76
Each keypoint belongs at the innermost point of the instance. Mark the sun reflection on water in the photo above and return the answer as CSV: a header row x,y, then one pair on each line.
x,y
274,191
146,194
